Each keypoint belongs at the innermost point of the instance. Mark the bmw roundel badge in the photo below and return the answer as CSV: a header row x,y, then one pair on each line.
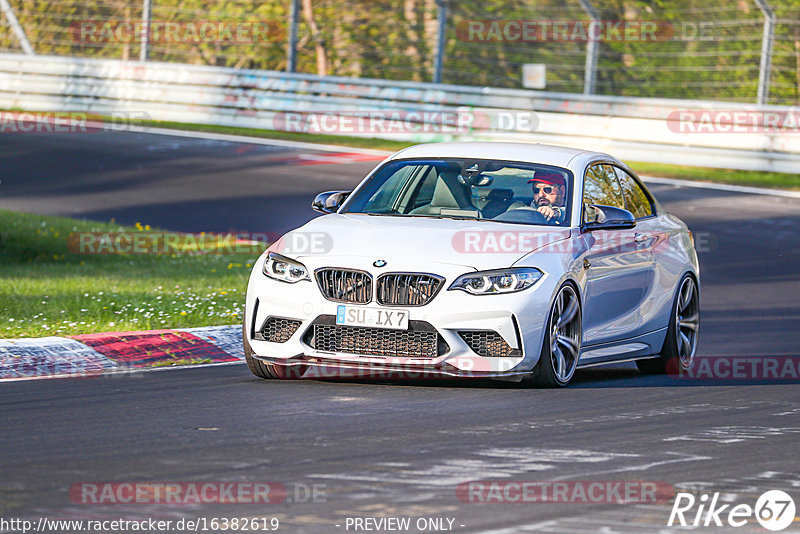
x,y
379,263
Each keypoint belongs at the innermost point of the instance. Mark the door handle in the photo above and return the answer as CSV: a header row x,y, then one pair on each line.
x,y
639,238
586,263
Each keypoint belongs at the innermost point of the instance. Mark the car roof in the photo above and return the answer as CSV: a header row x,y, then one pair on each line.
x,y
527,152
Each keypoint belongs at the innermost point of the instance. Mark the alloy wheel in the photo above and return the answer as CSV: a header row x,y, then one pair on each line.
x,y
565,334
687,321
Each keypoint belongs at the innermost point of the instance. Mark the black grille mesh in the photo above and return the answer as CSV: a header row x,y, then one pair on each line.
x,y
279,329
487,343
407,289
375,341
345,285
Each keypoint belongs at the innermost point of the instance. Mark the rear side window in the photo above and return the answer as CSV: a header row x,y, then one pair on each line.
x,y
638,202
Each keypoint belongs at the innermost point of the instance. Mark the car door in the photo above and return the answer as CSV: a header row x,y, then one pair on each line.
x,y
617,270
647,237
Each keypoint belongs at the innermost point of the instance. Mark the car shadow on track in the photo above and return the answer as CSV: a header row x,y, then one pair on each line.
x,y
624,375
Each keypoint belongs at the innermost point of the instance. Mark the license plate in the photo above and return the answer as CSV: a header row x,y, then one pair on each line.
x,y
379,318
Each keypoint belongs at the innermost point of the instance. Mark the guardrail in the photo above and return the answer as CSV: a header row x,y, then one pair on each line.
x,y
640,129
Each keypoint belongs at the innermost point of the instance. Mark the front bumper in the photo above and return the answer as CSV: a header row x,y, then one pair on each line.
x,y
517,318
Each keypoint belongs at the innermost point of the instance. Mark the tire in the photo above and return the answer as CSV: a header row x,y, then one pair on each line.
x,y
257,367
680,344
561,346
268,370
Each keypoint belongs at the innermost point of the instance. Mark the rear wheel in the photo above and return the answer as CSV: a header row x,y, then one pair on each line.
x,y
562,341
680,344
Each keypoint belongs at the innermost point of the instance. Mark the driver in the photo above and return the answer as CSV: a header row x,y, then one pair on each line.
x,y
549,194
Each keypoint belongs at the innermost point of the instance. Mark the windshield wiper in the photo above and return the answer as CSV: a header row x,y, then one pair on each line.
x,y
395,213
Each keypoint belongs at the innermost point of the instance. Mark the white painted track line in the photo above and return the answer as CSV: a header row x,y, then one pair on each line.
x,y
125,371
723,187
340,148
250,140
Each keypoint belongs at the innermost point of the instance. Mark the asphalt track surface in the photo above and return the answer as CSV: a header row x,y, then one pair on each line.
x,y
395,449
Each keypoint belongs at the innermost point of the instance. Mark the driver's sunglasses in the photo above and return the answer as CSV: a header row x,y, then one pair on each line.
x,y
547,190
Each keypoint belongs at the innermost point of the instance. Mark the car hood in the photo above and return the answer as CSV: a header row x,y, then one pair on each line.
x,y
480,245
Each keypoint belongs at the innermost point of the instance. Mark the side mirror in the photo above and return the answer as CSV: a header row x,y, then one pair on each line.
x,y
608,218
329,201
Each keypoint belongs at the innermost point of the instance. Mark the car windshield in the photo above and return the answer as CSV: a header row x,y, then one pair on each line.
x,y
479,189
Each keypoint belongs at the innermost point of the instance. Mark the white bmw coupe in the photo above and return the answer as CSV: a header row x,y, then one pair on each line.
x,y
509,261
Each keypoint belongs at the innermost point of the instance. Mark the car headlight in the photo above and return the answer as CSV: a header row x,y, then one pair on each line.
x,y
497,281
283,269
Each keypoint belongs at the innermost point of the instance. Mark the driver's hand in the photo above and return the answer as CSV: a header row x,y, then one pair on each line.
x,y
547,211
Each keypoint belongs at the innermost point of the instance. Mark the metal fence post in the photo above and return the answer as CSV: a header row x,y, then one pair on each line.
x,y
440,40
144,52
765,67
16,28
291,56
590,69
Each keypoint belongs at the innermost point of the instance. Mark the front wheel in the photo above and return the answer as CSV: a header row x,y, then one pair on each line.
x,y
562,341
680,345
267,370
257,367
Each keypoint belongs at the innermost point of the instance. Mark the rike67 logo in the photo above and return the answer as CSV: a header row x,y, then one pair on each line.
x,y
774,510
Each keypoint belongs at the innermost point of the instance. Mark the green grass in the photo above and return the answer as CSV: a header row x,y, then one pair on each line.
x,y
776,180
45,289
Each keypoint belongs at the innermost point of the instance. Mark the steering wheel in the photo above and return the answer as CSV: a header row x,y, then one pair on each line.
x,y
523,214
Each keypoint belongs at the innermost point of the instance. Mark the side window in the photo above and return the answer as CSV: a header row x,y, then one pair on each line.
x,y
638,202
600,186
